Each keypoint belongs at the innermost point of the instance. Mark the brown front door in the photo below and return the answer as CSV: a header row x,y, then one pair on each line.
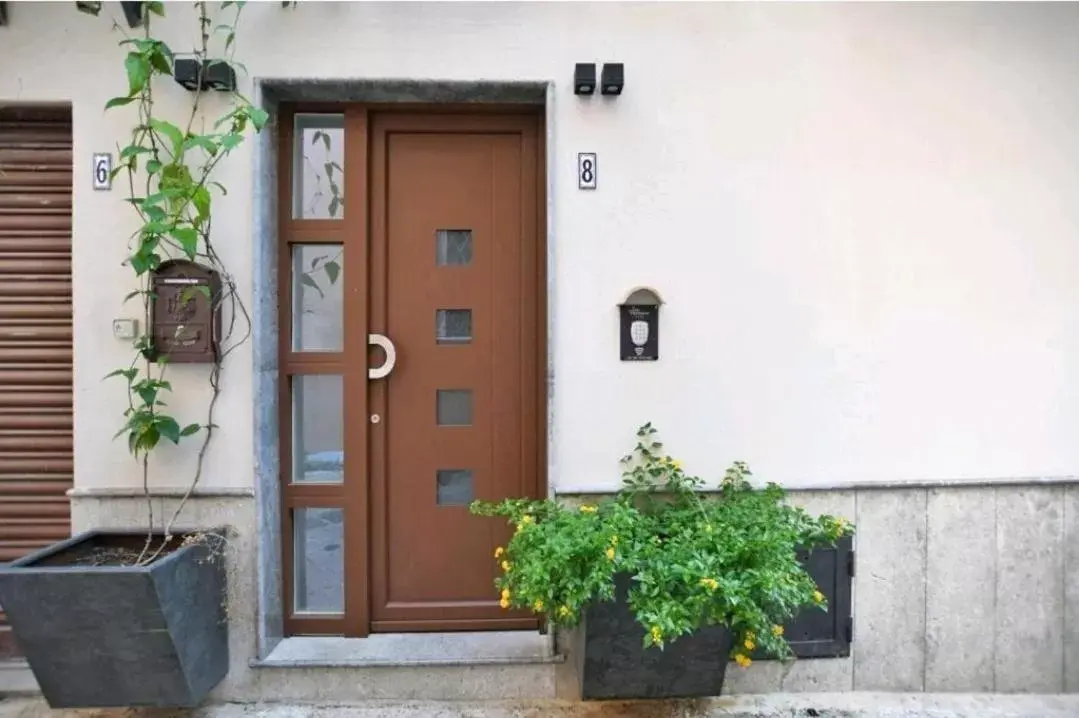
x,y
455,285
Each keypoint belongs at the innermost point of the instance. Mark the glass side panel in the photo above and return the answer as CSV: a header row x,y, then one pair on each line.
x,y
318,561
318,161
318,442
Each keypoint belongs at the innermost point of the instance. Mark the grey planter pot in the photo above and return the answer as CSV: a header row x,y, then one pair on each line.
x,y
611,662
113,636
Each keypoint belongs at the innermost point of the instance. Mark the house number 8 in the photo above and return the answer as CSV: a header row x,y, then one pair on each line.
x,y
586,170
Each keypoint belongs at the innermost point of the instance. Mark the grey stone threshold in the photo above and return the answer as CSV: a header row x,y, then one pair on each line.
x,y
413,649
16,678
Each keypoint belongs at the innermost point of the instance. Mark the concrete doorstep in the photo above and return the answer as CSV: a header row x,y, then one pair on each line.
x,y
803,705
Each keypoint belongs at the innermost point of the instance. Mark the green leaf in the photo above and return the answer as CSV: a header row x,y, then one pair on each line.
x,y
231,141
224,190
201,199
148,438
171,131
320,135
201,141
188,239
118,102
138,72
148,394
190,429
128,374
259,117
335,203
333,270
168,428
157,8
160,61
153,167
132,150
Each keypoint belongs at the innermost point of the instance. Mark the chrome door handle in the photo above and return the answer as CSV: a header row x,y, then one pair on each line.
x,y
391,356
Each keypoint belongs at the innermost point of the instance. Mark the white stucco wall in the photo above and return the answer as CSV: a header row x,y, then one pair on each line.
x,y
862,218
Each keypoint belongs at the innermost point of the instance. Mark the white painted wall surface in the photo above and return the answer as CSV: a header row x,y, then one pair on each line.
x,y
863,219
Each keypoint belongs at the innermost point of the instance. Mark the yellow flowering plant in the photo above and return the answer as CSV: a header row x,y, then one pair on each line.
x,y
726,557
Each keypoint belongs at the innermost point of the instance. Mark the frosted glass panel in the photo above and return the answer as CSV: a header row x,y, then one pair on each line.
x,y
318,441
318,159
318,298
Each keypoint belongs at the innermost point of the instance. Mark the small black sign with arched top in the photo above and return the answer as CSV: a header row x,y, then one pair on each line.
x,y
639,318
185,315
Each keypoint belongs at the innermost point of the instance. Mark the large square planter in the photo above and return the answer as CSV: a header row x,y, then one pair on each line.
x,y
99,635
611,662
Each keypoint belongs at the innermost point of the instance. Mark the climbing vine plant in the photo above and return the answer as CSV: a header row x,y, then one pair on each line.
x,y
169,164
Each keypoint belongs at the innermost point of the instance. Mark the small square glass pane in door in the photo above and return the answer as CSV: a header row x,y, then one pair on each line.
x,y
453,246
318,160
454,487
318,560
453,326
453,407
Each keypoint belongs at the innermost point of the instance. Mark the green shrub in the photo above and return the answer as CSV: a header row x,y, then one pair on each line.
x,y
721,558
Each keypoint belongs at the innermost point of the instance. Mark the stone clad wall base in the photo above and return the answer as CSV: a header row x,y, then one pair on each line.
x,y
957,590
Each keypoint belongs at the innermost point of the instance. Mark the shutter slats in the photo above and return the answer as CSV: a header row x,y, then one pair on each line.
x,y
36,446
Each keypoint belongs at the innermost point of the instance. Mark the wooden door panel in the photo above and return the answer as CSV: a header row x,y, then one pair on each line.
x,y
432,562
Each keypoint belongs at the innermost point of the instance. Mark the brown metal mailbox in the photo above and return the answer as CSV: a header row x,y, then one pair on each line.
x,y
185,313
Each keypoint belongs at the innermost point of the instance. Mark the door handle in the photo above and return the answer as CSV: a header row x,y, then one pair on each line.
x,y
391,356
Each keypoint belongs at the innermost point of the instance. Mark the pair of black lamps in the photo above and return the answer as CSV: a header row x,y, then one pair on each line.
x,y
611,81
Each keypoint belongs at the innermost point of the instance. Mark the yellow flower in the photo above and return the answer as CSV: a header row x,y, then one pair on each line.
x,y
751,635
610,553
657,634
710,583
505,594
505,565
777,630
499,551
537,606
504,603
676,463
749,644
588,509
743,661
564,611
614,540
818,596
526,519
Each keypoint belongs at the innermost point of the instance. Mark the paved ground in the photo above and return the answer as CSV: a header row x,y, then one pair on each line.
x,y
836,705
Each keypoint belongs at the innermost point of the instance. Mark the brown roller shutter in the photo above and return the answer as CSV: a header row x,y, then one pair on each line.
x,y
35,331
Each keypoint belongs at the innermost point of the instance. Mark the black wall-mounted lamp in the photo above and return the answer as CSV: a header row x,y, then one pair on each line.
x,y
133,13
216,74
584,78
613,79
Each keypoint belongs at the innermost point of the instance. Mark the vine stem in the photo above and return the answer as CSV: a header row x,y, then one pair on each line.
x,y
158,238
